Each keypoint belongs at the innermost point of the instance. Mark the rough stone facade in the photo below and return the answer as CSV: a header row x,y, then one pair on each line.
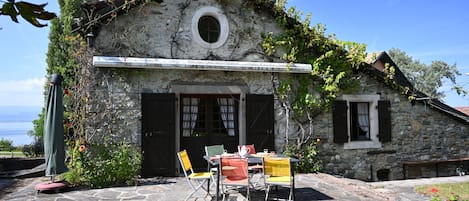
x,y
164,31
419,133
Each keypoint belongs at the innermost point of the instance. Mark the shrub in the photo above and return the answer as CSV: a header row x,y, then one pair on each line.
x,y
101,165
307,156
34,149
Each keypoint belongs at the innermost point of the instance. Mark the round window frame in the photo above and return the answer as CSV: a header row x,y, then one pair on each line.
x,y
222,20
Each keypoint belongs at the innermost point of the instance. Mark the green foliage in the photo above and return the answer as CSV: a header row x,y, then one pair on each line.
x,y
38,130
6,144
426,78
103,164
307,156
334,64
30,12
35,149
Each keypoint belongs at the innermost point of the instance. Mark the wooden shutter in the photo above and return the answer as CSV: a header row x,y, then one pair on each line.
x,y
339,121
260,121
158,135
384,115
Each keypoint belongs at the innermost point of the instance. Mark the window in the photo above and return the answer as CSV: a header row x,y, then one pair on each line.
x,y
361,121
214,115
209,29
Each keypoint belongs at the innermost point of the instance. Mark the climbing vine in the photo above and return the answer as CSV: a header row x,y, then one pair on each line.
x,y
334,64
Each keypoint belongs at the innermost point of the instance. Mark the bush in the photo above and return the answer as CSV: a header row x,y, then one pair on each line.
x,y
34,149
102,165
307,156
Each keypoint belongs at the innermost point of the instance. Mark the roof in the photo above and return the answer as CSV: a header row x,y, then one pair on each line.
x,y
377,62
464,109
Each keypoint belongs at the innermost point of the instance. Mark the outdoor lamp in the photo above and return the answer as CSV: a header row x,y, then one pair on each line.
x,y
90,38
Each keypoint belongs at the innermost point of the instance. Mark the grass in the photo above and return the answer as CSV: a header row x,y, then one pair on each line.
x,y
7,154
446,191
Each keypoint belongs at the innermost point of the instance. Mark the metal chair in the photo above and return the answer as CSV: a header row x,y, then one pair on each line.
x,y
212,151
196,180
277,172
234,171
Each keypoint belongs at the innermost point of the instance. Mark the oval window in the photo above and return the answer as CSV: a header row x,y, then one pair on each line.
x,y
209,29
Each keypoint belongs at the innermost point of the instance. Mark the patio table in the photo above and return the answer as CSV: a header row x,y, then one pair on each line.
x,y
255,159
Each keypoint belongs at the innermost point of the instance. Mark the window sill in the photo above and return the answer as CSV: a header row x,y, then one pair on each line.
x,y
362,145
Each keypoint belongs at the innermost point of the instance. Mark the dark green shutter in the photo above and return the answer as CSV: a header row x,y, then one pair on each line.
x,y
339,121
260,121
384,115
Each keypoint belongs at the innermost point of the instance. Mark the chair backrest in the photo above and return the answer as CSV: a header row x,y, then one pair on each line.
x,y
277,166
251,148
234,168
213,150
185,161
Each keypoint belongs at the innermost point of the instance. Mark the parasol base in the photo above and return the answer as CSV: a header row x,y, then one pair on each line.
x,y
49,186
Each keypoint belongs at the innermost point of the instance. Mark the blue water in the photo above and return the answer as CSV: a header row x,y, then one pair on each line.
x,y
16,121
17,132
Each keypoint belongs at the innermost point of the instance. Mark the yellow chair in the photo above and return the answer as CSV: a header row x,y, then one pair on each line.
x,y
277,172
235,173
196,180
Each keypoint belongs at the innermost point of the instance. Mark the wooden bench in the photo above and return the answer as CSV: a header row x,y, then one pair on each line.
x,y
436,163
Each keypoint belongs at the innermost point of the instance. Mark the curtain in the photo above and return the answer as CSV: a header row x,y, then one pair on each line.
x,y
227,114
189,118
363,117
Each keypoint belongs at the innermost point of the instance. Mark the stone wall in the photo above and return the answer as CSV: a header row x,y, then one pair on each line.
x,y
419,133
164,30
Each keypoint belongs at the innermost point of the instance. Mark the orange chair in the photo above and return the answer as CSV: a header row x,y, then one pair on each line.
x,y
235,173
257,168
277,172
196,180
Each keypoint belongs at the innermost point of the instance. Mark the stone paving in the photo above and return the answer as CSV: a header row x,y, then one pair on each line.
x,y
308,187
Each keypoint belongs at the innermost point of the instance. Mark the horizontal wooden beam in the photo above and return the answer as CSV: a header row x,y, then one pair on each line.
x,y
187,64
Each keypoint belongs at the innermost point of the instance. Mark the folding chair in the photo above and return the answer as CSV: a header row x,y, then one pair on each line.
x,y
235,173
213,150
277,172
257,168
196,180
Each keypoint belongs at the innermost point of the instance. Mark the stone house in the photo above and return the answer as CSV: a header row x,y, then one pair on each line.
x,y
183,74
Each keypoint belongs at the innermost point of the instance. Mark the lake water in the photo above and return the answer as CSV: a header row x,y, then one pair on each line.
x,y
17,132
16,121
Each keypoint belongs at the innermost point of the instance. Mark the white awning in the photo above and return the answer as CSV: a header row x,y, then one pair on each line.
x,y
187,64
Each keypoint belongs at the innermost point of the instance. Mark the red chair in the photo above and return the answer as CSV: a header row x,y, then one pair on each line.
x,y
235,174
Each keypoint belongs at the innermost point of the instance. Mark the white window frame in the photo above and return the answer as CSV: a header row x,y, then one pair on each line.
x,y
374,123
224,27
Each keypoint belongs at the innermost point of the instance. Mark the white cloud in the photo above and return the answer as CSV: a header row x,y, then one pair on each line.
x,y
27,92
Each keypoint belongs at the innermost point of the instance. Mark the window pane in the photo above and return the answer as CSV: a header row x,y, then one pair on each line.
x,y
204,115
359,121
209,29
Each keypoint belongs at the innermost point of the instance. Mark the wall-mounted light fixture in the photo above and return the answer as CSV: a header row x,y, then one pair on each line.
x,y
90,38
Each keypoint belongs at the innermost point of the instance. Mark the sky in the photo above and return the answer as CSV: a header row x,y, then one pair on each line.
x,y
425,30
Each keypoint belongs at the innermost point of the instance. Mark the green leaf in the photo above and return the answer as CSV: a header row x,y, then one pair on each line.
x,y
8,8
31,12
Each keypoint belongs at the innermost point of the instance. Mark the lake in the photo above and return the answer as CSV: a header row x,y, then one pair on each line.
x,y
16,121
17,132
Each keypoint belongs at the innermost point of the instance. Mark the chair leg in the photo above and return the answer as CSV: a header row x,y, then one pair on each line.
x,y
267,192
195,189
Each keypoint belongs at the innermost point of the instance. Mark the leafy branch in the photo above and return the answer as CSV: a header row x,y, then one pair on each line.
x,y
29,11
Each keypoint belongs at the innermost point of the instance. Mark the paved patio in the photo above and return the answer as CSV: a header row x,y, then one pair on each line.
x,y
308,187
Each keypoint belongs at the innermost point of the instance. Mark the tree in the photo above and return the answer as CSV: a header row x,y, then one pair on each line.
x,y
29,11
6,144
426,78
